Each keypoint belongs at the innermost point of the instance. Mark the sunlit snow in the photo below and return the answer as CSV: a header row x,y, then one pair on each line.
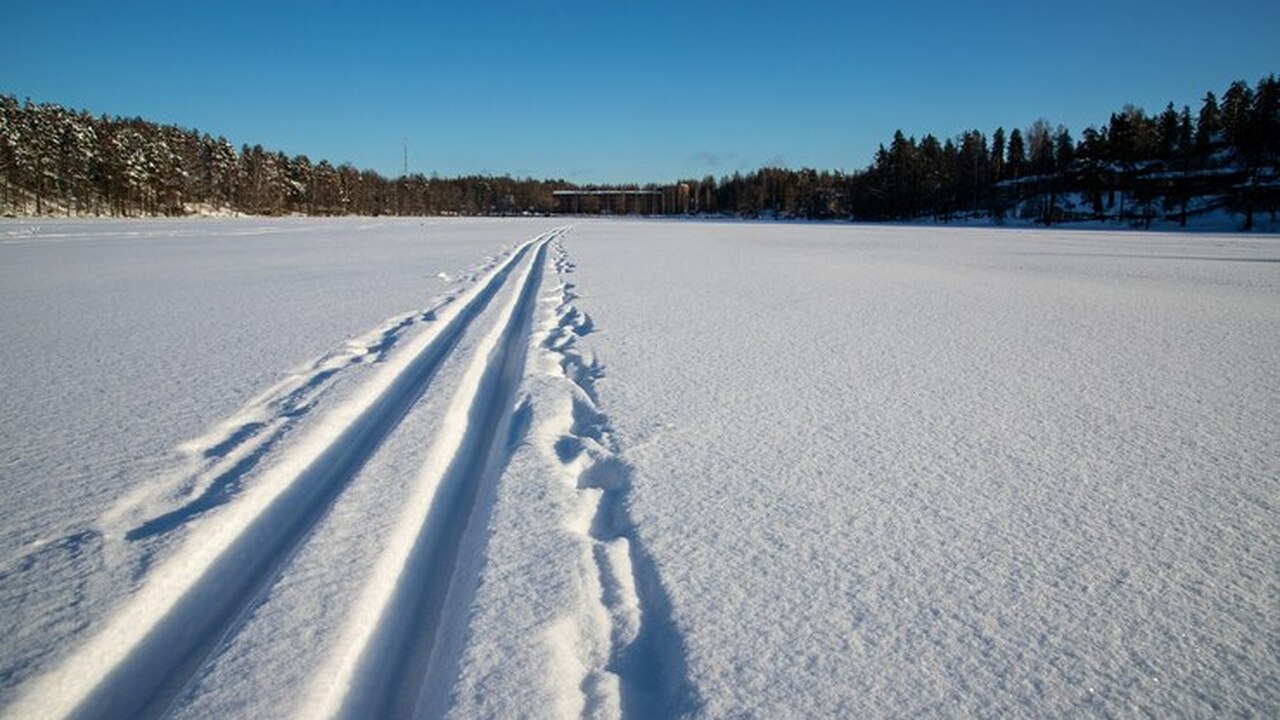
x,y
449,467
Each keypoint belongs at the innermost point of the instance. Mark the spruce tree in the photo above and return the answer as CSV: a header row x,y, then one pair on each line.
x,y
1237,107
1209,123
997,155
1017,156
1168,132
1064,148
1185,131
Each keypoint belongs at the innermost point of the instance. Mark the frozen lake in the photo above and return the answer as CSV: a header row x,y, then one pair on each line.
x,y
636,468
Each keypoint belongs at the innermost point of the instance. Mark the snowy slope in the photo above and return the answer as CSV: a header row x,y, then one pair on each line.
x,y
638,469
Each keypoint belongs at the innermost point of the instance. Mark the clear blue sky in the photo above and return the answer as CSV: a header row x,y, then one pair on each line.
x,y
617,91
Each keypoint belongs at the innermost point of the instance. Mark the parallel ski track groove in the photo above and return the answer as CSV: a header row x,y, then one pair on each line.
x,y
398,655
155,644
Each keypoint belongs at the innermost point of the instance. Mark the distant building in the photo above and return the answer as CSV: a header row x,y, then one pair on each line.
x,y
613,202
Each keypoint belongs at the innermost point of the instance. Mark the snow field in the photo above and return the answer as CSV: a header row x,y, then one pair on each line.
x,y
139,660
905,471
650,469
352,582
563,563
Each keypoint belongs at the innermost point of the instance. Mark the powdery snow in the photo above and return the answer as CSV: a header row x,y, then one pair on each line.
x,y
903,472
151,367
636,469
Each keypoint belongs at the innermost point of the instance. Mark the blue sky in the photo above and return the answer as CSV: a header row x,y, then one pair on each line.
x,y
617,92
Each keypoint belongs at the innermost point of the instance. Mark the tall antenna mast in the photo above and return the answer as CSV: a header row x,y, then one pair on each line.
x,y
406,156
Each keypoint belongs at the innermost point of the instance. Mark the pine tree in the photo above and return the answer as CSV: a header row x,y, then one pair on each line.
x,y
10,147
1237,107
1209,123
971,170
1186,133
1092,154
1040,146
1064,148
1017,155
1185,148
997,155
1262,136
1168,133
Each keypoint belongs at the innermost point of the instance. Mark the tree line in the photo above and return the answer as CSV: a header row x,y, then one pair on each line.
x,y
1133,169
54,160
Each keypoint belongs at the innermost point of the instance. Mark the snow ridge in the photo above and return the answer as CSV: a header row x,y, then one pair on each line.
x,y
152,646
636,666
210,468
216,462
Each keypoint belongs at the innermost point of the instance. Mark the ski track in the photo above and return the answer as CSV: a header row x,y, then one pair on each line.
x,y
217,462
155,643
208,470
398,653
395,657
636,666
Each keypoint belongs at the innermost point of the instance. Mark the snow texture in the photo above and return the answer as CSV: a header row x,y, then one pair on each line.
x,y
906,472
498,468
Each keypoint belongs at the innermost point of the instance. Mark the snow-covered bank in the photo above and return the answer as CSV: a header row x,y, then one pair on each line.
x,y
1207,217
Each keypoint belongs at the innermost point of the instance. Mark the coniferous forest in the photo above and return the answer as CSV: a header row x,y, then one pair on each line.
x,y
1132,169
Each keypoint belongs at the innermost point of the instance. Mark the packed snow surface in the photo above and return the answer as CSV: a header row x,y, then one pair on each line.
x,y
462,468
